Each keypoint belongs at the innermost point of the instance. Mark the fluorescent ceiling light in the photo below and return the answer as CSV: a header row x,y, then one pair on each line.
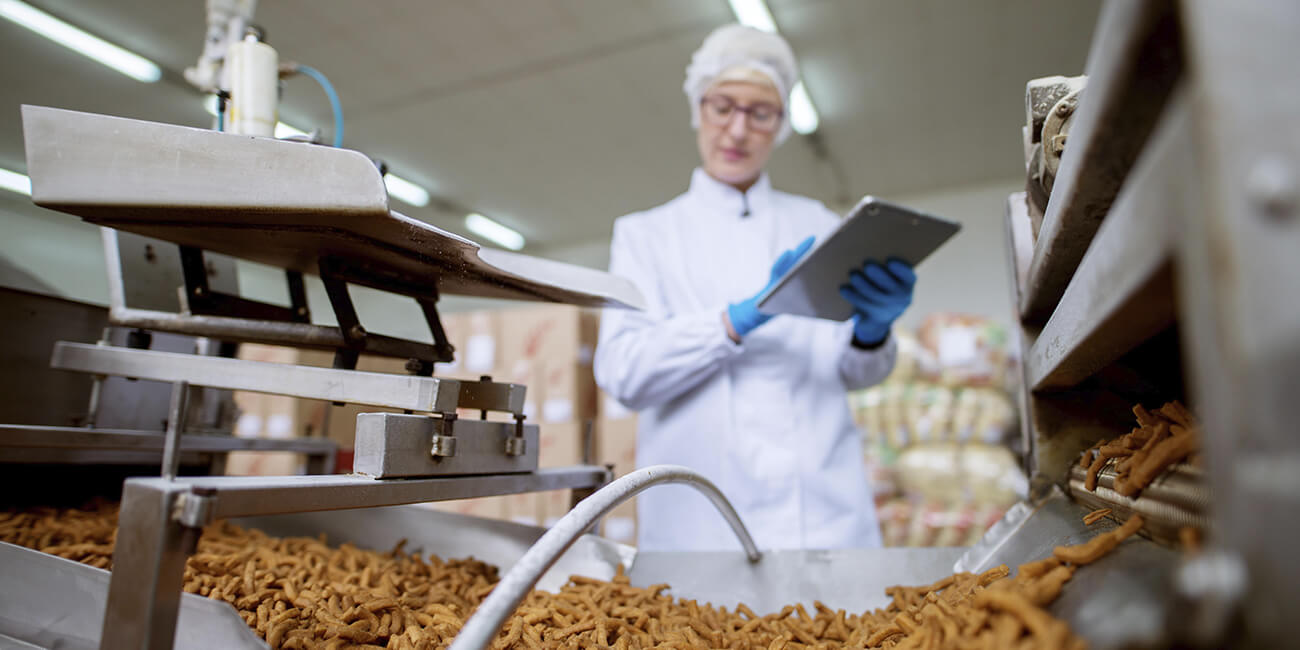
x,y
753,13
15,182
497,233
283,130
803,116
408,192
128,63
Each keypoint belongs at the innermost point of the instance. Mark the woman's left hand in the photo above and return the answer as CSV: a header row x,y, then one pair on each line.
x,y
879,295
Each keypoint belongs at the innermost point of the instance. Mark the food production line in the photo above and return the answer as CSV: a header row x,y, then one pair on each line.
x,y
1150,258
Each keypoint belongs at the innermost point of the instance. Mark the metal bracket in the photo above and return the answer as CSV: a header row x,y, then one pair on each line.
x,y
517,445
194,510
200,299
443,445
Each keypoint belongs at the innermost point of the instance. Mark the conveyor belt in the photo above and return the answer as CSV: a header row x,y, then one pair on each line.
x,y
1176,499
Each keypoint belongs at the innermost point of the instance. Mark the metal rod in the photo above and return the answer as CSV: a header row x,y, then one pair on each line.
x,y
427,394
171,459
487,620
268,332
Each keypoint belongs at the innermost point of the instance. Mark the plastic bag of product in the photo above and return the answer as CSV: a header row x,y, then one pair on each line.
x,y
965,350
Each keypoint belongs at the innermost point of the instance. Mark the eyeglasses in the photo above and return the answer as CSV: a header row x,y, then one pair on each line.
x,y
719,109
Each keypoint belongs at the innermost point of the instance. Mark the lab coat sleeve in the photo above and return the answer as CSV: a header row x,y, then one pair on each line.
x,y
646,358
862,368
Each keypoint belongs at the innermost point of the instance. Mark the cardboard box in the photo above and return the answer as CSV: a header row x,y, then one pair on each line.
x,y
560,446
616,445
556,333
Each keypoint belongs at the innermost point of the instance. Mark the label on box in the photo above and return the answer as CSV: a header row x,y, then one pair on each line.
x,y
279,426
557,410
480,353
248,426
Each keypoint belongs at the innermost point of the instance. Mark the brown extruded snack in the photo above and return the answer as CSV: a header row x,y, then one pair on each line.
x,y
1090,483
1095,516
1146,451
298,593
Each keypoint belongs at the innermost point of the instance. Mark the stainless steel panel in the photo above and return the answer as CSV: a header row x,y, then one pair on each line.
x,y
1124,600
1122,293
30,391
247,496
371,388
850,579
20,443
192,187
50,602
392,445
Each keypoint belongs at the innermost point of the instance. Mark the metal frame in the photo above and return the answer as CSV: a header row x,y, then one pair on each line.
x,y
425,394
49,444
1216,199
160,522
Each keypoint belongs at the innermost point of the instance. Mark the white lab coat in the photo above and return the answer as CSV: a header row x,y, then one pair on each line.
x,y
766,420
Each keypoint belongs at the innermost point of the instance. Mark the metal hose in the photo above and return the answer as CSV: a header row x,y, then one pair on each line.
x,y
483,626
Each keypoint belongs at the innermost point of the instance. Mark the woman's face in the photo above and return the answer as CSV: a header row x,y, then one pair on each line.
x,y
735,144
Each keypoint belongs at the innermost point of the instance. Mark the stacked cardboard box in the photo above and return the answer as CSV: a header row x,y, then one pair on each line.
x,y
616,445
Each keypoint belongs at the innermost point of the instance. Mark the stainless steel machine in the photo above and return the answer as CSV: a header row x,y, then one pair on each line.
x,y
1153,264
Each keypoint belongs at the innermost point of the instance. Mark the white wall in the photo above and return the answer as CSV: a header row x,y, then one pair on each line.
x,y
968,274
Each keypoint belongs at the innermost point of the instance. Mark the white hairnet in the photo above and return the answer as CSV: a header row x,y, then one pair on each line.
x,y
734,50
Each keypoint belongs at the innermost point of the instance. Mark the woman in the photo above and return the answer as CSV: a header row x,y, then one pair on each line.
x,y
755,403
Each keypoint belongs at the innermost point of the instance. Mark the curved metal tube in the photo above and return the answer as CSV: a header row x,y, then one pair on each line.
x,y
483,626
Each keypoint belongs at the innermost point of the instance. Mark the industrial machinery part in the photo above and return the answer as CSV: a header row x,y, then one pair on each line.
x,y
392,445
1163,269
1050,104
160,521
482,627
191,187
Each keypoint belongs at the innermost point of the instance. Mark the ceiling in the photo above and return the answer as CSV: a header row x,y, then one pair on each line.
x,y
556,116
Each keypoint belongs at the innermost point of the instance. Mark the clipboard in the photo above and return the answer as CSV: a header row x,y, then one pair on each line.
x,y
874,230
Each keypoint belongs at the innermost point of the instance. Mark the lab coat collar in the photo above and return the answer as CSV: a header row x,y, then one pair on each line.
x,y
727,199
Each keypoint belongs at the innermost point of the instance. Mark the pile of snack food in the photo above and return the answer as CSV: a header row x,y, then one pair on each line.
x,y
302,593
1163,438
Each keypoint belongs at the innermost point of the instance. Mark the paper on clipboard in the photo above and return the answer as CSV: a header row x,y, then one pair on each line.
x,y
874,230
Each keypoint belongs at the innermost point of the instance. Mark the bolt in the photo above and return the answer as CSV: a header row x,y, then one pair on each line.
x,y
1271,186
357,332
302,311
1065,108
198,291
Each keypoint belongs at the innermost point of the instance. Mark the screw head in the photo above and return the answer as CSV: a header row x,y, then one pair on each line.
x,y
357,331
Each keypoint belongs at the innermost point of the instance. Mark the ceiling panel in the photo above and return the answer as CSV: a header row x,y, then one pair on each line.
x,y
556,116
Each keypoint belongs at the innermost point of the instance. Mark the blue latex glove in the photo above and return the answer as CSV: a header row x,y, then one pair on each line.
x,y
879,294
744,315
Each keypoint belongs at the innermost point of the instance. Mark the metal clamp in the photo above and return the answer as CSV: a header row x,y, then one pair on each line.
x,y
443,445
517,446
